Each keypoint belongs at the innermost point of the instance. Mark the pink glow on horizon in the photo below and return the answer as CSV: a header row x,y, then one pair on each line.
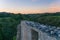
x,y
51,9
54,6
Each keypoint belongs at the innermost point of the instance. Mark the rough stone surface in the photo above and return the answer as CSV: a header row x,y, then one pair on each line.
x,y
24,32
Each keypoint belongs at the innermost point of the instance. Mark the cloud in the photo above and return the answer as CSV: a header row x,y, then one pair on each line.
x,y
55,6
34,0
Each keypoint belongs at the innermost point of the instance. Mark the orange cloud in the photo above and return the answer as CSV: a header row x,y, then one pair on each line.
x,y
54,7
21,10
34,0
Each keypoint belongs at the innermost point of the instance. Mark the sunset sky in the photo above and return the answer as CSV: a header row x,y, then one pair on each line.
x,y
29,6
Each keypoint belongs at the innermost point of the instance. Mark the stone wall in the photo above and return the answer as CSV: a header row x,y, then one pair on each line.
x,y
26,32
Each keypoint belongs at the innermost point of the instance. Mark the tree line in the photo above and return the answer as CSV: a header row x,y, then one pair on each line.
x,y
9,22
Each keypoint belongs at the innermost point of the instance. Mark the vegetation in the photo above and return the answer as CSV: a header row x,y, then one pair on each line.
x,y
9,22
47,18
8,25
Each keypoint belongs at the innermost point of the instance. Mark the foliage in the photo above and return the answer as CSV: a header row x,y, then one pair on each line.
x,y
8,25
14,38
47,18
9,22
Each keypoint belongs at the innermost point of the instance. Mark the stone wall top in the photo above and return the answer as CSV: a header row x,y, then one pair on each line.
x,y
50,30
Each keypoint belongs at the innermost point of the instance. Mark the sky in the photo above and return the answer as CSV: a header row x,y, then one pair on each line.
x,y
29,6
